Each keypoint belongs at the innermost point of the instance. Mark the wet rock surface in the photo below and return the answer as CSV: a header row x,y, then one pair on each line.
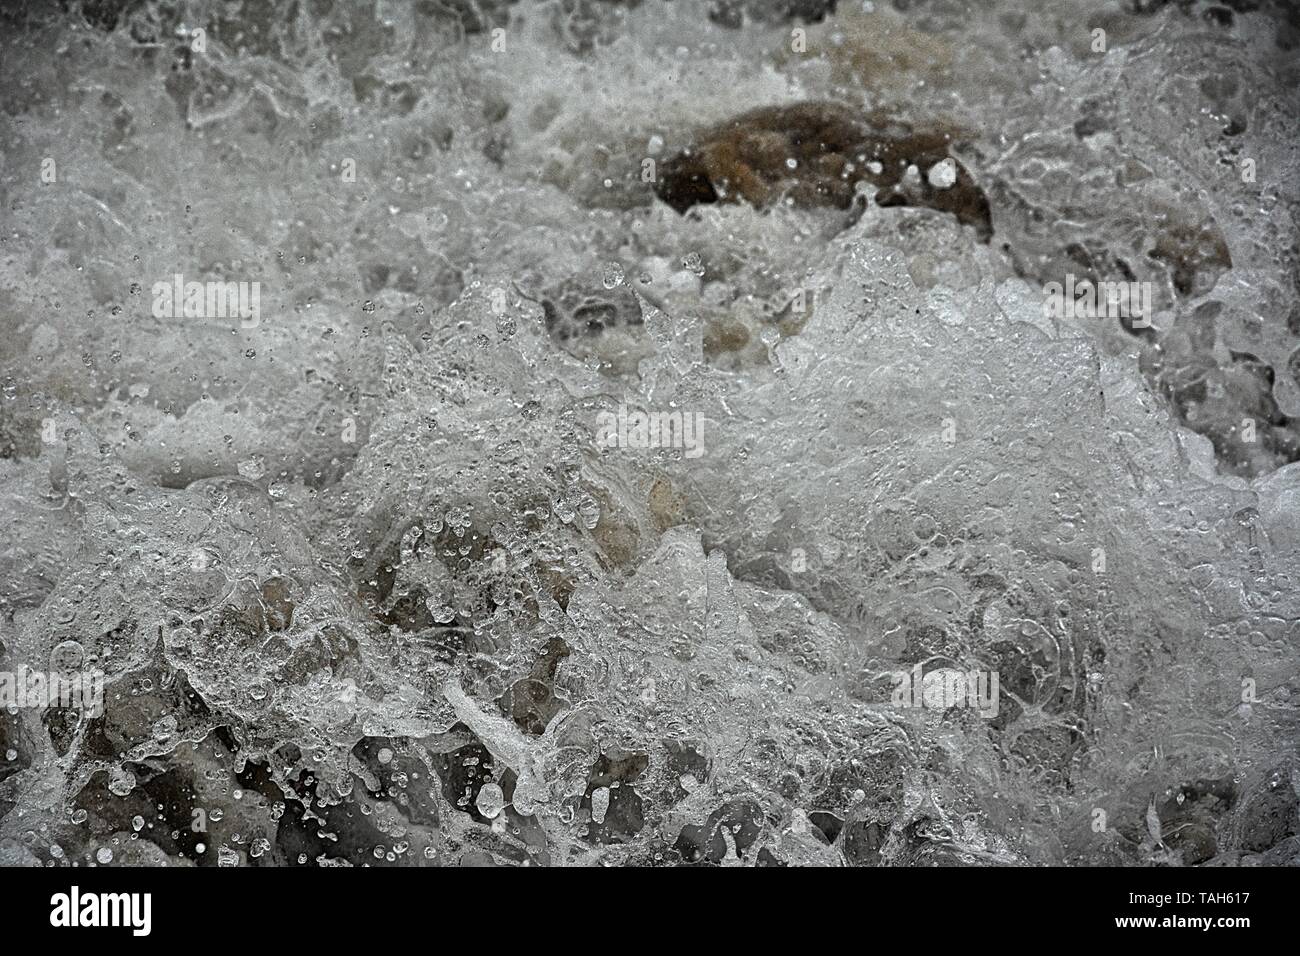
x,y
817,154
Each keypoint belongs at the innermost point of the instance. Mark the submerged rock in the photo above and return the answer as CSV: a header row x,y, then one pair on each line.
x,y
816,154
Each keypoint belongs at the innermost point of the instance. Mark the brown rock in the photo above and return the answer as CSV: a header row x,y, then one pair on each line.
x,y
1197,254
814,154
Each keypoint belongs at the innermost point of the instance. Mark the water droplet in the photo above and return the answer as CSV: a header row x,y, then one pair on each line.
x,y
490,801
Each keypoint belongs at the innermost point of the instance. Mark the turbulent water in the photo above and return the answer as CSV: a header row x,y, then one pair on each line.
x,y
388,569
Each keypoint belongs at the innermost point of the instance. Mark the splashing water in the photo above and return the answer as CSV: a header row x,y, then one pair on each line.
x,y
357,358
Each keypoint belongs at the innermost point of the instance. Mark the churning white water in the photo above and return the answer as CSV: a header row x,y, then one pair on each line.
x,y
439,467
